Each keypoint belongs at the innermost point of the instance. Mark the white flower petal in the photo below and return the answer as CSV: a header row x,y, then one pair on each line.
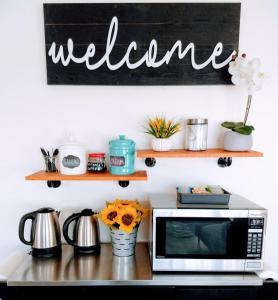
x,y
232,64
254,64
243,81
233,70
254,88
258,78
241,61
235,80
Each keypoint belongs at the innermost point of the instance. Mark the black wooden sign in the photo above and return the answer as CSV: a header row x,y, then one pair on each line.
x,y
140,43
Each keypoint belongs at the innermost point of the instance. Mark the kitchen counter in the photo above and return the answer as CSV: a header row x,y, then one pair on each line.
x,y
108,270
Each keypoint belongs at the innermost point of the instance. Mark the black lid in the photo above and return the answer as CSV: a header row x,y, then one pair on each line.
x,y
45,210
87,212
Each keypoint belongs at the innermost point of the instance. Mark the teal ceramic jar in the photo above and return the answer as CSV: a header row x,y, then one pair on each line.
x,y
121,156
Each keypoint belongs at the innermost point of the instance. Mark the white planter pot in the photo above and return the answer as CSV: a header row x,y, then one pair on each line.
x,y
161,144
234,141
123,243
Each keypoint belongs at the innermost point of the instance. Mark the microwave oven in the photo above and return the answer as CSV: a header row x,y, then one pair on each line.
x,y
206,238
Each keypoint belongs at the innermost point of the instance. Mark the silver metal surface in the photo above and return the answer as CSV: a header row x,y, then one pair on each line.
x,y
197,121
87,231
108,270
46,231
123,244
199,265
166,206
236,203
200,213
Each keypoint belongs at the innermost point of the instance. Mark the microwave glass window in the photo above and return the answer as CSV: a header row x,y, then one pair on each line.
x,y
201,238
197,237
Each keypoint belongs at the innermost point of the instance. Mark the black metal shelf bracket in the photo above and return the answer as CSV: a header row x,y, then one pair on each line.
x,y
53,184
224,162
150,162
124,183
56,184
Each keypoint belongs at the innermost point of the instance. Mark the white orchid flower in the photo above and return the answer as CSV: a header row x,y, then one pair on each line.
x,y
246,73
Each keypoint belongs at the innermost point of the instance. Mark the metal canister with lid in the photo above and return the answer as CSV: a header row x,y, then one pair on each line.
x,y
196,134
121,156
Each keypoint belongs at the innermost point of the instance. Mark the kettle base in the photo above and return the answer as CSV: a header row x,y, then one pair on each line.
x,y
86,250
47,252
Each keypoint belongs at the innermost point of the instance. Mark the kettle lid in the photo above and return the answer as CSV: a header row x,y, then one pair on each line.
x,y
45,210
86,212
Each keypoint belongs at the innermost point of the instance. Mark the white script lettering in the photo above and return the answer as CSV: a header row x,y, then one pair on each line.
x,y
149,58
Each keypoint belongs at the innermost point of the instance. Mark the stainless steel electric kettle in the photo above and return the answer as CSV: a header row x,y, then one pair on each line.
x,y
85,233
45,232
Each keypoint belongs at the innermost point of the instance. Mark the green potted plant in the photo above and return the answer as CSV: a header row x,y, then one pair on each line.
x,y
244,73
162,130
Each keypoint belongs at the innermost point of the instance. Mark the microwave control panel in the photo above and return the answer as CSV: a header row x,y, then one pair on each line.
x,y
255,238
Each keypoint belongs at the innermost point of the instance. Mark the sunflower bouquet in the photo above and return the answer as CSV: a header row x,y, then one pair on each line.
x,y
123,214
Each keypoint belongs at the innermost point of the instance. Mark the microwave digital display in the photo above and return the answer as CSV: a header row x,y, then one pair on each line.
x,y
256,222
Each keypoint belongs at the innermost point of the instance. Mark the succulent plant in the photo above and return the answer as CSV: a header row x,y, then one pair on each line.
x,y
239,127
161,128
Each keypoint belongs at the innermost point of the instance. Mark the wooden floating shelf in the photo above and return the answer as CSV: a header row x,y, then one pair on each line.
x,y
57,176
210,153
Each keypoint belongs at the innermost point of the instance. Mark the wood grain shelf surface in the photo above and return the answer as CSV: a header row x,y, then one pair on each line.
x,y
42,175
210,153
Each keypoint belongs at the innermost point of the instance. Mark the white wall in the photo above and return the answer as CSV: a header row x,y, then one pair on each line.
x,y
33,114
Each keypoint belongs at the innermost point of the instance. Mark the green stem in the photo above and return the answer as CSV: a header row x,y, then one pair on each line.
x,y
247,109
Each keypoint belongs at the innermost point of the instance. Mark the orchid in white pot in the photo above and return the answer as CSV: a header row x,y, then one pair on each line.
x,y
244,73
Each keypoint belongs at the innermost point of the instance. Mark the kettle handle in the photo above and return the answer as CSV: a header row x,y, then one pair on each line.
x,y
21,227
70,219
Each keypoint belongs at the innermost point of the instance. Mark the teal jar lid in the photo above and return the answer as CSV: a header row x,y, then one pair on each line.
x,y
122,142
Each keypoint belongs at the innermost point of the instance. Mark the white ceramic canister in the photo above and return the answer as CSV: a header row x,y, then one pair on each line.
x,y
72,158
196,134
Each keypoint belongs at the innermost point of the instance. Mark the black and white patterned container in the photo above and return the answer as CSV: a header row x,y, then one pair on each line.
x,y
123,243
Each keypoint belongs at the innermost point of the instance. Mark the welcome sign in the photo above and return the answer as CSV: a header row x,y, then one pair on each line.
x,y
140,43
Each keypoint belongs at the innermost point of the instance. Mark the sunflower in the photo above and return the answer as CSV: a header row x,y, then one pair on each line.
x,y
109,214
121,203
142,212
127,218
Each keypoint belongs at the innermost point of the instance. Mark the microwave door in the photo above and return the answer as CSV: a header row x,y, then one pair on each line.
x,y
201,238
195,238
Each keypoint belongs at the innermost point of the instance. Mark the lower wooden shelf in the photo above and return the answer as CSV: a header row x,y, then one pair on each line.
x,y
44,176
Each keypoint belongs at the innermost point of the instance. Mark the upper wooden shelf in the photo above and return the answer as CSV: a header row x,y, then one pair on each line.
x,y
57,176
213,153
